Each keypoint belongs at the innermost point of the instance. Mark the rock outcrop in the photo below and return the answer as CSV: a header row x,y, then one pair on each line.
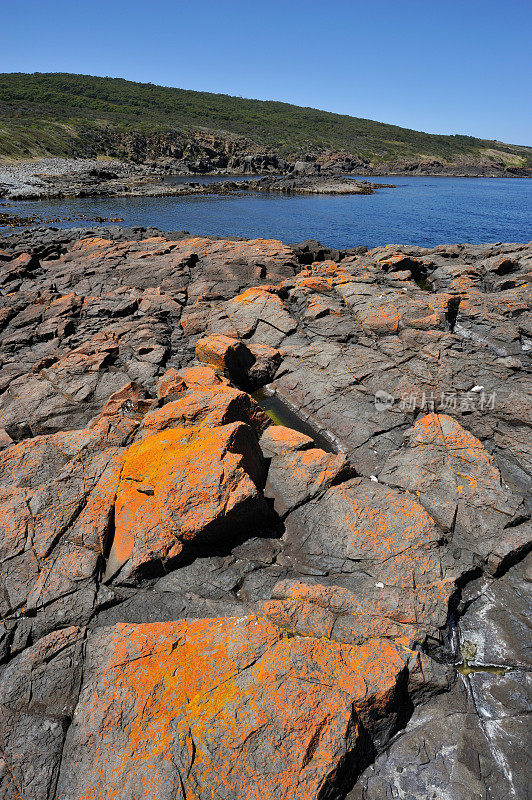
x,y
220,708
60,178
197,602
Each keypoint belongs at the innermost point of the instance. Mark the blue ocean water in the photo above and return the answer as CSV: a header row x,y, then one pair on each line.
x,y
423,211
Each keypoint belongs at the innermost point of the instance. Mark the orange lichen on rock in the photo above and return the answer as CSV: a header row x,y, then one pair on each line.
x,y
278,439
15,521
181,484
93,243
398,260
457,480
175,383
341,614
218,351
243,315
389,542
388,528
441,430
256,293
202,376
380,320
216,405
171,386
92,528
296,476
332,581
316,309
316,283
220,708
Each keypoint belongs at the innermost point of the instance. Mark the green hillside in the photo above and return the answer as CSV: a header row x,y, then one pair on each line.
x,y
63,114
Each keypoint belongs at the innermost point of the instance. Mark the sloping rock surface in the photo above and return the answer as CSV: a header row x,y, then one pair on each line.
x,y
199,603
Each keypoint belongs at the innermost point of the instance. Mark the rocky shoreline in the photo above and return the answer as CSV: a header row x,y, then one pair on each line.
x,y
61,178
200,601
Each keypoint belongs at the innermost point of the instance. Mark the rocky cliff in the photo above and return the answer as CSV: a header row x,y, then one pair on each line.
x,y
205,152
198,602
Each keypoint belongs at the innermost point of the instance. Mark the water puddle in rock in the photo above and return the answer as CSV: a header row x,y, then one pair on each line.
x,y
468,652
423,283
281,414
468,669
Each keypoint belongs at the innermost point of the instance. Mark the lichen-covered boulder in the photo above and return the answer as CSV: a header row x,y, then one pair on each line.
x,y
457,481
185,485
227,708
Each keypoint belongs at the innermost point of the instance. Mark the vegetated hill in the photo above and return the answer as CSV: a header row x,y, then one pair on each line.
x,y
81,115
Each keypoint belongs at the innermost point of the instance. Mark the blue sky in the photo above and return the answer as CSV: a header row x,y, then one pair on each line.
x,y
441,66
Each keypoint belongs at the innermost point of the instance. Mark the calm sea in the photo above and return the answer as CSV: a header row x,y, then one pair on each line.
x,y
421,211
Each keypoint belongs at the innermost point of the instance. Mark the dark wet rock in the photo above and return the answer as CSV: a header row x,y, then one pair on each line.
x,y
38,694
447,751
494,620
311,184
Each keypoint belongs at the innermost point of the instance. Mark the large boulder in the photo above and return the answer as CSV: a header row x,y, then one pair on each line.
x,y
227,708
459,484
185,485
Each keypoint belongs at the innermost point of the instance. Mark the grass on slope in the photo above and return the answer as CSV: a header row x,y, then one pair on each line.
x,y
50,113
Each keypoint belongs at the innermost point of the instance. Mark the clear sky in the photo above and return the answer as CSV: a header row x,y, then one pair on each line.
x,y
442,66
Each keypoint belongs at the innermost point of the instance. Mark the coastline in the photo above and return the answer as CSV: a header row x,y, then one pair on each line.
x,y
58,178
